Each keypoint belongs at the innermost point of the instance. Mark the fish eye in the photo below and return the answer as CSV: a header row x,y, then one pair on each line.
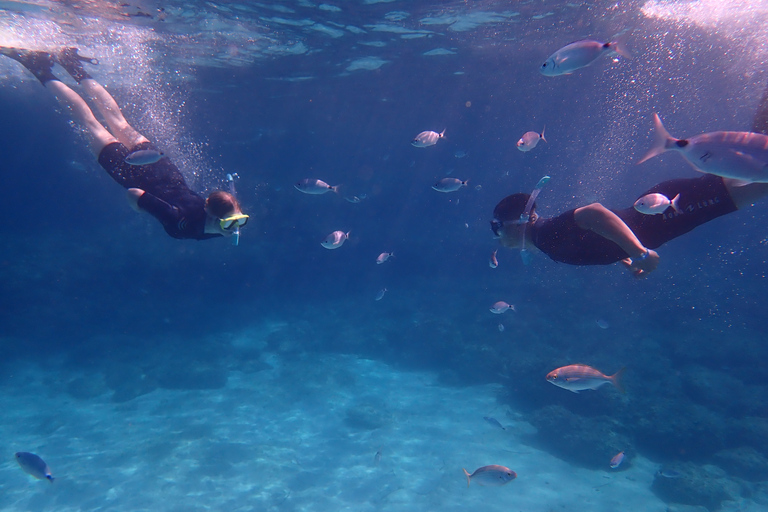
x,y
544,65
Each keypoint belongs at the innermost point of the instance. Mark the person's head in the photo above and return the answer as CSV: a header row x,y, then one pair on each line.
x,y
506,223
224,207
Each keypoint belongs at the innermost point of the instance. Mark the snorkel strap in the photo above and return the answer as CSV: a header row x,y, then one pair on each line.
x,y
236,232
526,216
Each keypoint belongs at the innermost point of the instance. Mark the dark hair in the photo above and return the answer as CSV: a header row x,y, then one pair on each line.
x,y
511,208
221,204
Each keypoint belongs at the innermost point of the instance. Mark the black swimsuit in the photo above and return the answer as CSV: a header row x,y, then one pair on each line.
x,y
166,195
701,200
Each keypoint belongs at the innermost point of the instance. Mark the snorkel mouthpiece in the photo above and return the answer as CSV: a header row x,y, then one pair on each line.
x,y
526,216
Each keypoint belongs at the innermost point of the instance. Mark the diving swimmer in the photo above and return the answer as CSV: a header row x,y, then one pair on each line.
x,y
596,235
154,184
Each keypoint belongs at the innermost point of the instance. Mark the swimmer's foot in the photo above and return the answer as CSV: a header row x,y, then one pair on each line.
x,y
39,64
72,61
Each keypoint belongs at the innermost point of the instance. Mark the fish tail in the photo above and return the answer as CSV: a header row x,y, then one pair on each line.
x,y
542,134
619,45
442,134
661,139
469,477
675,203
336,188
616,380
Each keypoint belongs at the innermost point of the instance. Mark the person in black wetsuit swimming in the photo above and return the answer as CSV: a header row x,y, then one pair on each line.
x,y
157,188
595,235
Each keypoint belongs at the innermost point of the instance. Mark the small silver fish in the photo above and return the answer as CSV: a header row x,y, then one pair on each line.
x,y
427,138
144,157
34,465
335,240
578,377
460,153
380,294
581,54
655,204
493,262
353,199
381,258
603,324
739,155
315,187
501,307
491,475
617,460
449,185
377,458
668,473
501,327
494,422
529,140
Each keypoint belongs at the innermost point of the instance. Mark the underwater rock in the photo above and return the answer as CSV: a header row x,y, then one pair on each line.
x,y
706,486
585,441
84,389
128,382
744,462
367,416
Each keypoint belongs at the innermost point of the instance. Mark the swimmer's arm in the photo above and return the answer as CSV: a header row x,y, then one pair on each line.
x,y
599,219
143,201
133,195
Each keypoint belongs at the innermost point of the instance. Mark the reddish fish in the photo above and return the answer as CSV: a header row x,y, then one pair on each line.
x,y
491,475
578,377
617,460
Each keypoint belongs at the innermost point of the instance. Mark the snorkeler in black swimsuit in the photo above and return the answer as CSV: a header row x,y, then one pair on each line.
x,y
155,185
595,235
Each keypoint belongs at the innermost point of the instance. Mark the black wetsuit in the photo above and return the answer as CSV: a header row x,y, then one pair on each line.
x,y
701,200
166,195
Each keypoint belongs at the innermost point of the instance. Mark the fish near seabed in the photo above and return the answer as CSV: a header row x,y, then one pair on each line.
x,y
581,54
427,138
34,465
578,377
491,475
739,155
617,460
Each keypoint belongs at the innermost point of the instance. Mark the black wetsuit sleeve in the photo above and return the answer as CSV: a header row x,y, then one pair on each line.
x,y
159,209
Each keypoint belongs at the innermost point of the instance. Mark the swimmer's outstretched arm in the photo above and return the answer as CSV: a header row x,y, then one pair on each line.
x,y
599,219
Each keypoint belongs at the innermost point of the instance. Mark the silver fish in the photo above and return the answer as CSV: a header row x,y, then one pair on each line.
x,y
655,204
449,185
493,262
739,155
381,258
144,157
578,377
315,187
380,294
501,307
529,140
427,138
34,465
335,240
581,54
491,475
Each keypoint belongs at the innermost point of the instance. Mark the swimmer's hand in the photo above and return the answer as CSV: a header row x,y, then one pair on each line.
x,y
133,196
640,267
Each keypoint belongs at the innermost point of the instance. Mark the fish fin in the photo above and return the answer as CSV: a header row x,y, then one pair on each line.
x,y
619,45
660,139
574,391
469,477
442,134
336,188
542,134
616,379
675,203
347,234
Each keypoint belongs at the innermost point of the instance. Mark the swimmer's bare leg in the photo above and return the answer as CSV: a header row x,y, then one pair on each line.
x,y
99,135
107,107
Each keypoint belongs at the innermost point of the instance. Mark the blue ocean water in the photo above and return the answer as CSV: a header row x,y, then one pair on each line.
x,y
158,374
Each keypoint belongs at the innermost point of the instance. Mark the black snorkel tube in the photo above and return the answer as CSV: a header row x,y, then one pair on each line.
x,y
526,216
231,181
